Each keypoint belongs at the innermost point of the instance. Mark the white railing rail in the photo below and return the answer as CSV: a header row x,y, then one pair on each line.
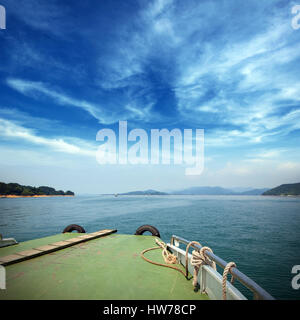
x,y
258,292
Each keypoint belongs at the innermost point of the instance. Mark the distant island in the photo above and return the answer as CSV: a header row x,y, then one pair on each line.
x,y
283,190
217,191
13,190
149,192
292,189
198,191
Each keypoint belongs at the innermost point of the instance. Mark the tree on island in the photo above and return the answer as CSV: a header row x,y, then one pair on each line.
x,y
19,190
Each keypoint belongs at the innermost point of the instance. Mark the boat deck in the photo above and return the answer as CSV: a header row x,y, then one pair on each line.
x,y
106,268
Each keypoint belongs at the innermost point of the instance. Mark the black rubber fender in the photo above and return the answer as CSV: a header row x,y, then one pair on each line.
x,y
74,227
147,227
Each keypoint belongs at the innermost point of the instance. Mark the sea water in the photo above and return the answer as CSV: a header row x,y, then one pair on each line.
x,y
260,234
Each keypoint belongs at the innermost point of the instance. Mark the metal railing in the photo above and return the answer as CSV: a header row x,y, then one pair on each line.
x,y
258,292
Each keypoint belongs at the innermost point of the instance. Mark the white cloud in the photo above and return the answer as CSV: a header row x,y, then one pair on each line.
x,y
244,83
103,115
258,173
157,7
29,87
9,129
26,119
44,16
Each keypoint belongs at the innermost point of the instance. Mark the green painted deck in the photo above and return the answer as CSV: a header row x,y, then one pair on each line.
x,y
105,268
27,245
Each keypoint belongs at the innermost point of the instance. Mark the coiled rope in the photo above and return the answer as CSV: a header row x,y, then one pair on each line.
x,y
167,256
198,259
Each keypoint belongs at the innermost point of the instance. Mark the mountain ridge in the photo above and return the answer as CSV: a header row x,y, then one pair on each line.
x,y
198,191
289,189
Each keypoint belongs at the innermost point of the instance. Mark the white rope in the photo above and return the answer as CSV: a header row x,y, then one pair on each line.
x,y
227,269
168,257
198,259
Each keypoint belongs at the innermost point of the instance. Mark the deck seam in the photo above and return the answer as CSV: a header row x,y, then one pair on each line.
x,y
56,246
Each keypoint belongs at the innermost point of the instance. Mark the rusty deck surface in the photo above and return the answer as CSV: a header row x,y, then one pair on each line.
x,y
107,267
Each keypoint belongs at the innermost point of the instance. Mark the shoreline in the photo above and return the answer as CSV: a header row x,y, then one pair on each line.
x,y
35,196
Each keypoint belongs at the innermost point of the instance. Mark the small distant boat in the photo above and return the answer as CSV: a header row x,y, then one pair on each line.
x,y
116,194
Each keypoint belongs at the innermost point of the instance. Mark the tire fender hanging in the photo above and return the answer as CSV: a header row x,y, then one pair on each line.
x,y
74,227
147,227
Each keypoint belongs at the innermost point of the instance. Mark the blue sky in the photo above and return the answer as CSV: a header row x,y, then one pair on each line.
x,y
69,69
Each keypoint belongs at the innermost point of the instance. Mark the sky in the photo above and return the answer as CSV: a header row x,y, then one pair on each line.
x,y
71,68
